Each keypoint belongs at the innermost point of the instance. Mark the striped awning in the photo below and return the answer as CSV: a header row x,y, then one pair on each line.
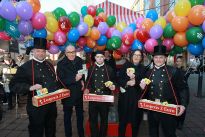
x,y
122,14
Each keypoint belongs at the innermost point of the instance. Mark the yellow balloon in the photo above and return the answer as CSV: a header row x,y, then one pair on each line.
x,y
88,19
121,25
52,24
50,35
161,21
182,8
88,33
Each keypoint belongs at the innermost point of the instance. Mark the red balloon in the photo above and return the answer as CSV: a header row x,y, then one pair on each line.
x,y
97,20
141,35
64,24
127,39
91,10
4,36
117,54
81,42
124,49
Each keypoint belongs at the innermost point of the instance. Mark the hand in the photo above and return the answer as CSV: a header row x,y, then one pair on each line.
x,y
35,87
131,82
86,91
83,85
181,110
78,77
112,87
142,85
131,75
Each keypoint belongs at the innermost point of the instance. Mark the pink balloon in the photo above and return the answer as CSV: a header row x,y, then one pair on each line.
x,y
150,44
59,38
124,49
139,22
38,20
169,43
109,32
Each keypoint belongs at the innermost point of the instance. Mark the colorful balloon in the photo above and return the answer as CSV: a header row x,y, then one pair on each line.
x,y
87,49
141,35
169,32
25,27
7,10
111,20
41,33
139,22
24,10
203,26
60,38
121,25
115,42
133,26
91,10
38,20
116,33
82,28
50,35
182,8
11,29
99,10
136,45
156,32
103,15
91,43
180,39
2,23
152,14
64,24
82,41
170,15
109,32
196,2
97,20
180,23
124,49
195,49
4,36
74,18
127,39
147,24
160,21
194,35
52,24
127,30
53,49
84,10
36,5
59,12
117,55
103,27
169,43
150,44
197,15
88,19
100,48
73,35
102,40
203,42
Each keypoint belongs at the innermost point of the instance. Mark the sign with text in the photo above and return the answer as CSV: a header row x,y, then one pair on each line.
x,y
98,98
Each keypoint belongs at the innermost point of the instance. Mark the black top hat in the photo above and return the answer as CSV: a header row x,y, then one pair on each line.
x,y
40,43
160,50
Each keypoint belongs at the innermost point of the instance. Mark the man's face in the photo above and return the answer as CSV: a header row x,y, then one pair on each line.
x,y
39,54
70,52
100,58
159,60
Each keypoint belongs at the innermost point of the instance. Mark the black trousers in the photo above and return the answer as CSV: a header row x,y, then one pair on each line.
x,y
42,119
101,109
168,124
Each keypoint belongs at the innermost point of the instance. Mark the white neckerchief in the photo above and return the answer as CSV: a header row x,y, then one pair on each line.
x,y
99,65
40,61
157,67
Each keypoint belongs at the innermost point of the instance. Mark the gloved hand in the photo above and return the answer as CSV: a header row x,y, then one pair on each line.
x,y
35,87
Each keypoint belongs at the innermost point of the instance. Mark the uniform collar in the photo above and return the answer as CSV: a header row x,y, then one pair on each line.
x,y
158,67
99,65
40,61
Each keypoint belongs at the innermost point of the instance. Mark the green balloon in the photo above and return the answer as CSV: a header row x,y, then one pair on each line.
x,y
116,42
2,23
169,32
178,49
99,10
159,41
172,53
196,2
111,21
194,35
59,12
109,45
11,29
74,18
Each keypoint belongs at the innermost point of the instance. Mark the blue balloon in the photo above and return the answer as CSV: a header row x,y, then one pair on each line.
x,y
203,42
102,40
136,45
73,35
62,48
41,33
133,26
152,14
84,10
87,49
196,49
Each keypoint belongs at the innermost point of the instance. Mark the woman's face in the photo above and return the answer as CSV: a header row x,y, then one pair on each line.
x,y
179,63
137,57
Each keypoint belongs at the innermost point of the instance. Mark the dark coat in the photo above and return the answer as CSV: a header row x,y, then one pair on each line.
x,y
67,71
127,102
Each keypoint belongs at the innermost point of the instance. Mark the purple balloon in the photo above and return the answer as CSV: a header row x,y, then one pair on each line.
x,y
21,38
103,27
25,27
156,32
139,22
24,10
116,33
127,30
53,49
82,28
203,26
7,11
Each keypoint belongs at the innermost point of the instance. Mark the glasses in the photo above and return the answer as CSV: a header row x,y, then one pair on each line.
x,y
70,52
137,55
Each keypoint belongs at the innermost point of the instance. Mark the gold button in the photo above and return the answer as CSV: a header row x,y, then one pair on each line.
x,y
160,88
43,76
163,70
152,87
40,69
152,93
153,75
161,81
162,75
160,95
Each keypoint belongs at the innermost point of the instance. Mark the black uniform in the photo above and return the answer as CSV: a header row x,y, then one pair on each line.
x,y
160,89
98,75
127,103
44,117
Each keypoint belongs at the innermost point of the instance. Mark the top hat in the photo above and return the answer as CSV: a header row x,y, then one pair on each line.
x,y
160,50
40,43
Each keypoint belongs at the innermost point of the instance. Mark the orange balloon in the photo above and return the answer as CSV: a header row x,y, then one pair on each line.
x,y
95,34
36,5
100,48
170,15
197,15
103,15
91,43
180,23
180,39
117,55
147,24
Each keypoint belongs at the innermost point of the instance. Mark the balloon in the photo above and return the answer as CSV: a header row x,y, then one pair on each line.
x,y
156,32
139,22
62,48
180,39
161,21
127,39
95,34
91,43
203,42
147,24
169,32
24,10
109,32
82,28
53,49
48,14
38,20
152,14
4,36
182,8
88,19
64,24
197,15
194,35
178,50
117,55
141,35
52,24
8,11
73,35
81,42
2,23
150,44
100,48
97,20
124,49
84,10
59,38
88,33
74,18
169,43
195,49
25,27
170,15
103,15
127,30
196,2
103,27
121,25
99,10
91,10
136,45
41,33
50,35
203,26
11,29
133,26
87,49
109,45
116,33
180,23
59,12
102,40
115,42
111,20
36,5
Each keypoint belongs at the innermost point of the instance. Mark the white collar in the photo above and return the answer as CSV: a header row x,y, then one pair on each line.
x,y
99,65
40,61
158,67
